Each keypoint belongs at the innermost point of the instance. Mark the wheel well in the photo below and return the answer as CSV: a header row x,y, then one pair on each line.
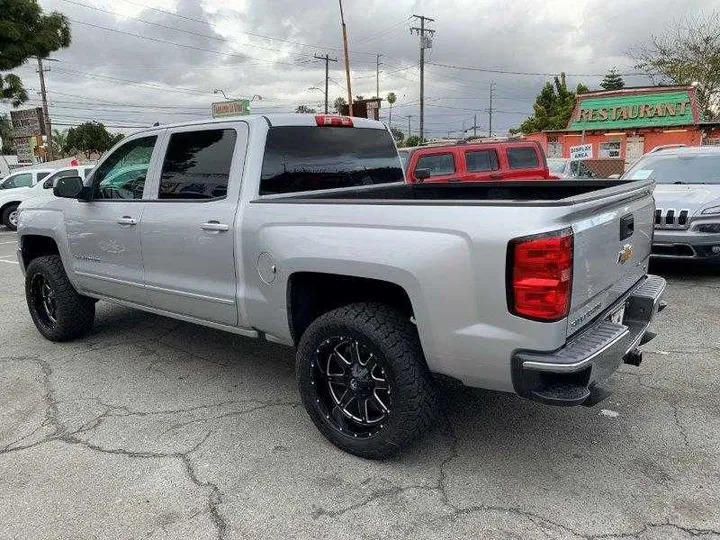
x,y
4,206
310,294
34,246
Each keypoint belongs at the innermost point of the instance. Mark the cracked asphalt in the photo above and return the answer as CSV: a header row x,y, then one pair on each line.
x,y
150,428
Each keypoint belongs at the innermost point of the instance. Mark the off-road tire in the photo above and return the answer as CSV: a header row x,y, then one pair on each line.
x,y
6,216
391,336
75,313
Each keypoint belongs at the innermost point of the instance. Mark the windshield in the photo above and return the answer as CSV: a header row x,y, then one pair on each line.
x,y
677,169
404,158
556,165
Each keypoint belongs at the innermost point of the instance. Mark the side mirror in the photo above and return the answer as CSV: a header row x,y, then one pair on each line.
x,y
422,174
614,176
69,187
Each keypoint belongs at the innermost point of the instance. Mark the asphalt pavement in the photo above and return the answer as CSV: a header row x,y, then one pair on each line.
x,y
151,428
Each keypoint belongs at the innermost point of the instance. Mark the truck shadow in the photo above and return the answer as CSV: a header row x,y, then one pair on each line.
x,y
683,270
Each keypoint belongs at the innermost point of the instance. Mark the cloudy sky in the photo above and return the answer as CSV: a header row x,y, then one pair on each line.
x,y
136,62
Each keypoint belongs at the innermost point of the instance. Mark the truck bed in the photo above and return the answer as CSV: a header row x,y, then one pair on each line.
x,y
526,193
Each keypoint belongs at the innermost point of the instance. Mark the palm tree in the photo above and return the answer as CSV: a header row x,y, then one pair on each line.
x,y
59,143
391,99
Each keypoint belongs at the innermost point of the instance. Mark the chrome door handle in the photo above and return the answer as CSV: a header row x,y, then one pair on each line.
x,y
126,220
215,226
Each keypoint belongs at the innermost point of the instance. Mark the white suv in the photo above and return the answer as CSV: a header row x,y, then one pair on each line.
x,y
14,189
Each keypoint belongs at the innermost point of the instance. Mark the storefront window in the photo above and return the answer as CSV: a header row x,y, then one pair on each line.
x,y
610,149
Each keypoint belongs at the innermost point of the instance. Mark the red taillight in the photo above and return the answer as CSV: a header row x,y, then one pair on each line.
x,y
333,120
540,276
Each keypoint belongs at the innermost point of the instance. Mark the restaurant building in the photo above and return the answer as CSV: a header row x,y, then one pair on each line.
x,y
625,124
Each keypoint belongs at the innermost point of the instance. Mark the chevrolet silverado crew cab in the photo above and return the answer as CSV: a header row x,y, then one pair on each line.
x,y
300,229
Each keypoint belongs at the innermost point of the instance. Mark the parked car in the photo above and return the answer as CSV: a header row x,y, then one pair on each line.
x,y
687,194
477,162
569,168
300,230
14,189
45,188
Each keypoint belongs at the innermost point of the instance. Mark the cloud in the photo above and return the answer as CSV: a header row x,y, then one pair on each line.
x,y
578,37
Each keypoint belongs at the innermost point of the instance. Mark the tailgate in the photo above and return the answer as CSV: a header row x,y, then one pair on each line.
x,y
611,253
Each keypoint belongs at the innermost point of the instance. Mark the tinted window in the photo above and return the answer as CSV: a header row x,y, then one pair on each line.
x,y
439,164
482,160
303,158
122,174
678,169
197,164
19,180
522,158
42,175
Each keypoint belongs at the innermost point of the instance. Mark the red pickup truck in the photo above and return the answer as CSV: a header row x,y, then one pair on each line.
x,y
475,162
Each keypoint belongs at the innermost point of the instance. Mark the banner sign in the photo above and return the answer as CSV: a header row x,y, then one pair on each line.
x,y
238,107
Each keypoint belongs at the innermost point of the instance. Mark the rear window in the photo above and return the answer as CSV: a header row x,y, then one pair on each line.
x,y
482,160
523,157
438,164
308,158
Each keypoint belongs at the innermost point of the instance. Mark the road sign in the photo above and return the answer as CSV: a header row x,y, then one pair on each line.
x,y
238,107
28,122
581,151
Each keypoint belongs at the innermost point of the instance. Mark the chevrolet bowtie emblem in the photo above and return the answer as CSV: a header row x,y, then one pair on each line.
x,y
625,253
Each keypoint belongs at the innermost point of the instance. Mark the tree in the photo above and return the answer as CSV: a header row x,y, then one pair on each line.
x,y
90,138
412,140
26,32
6,135
359,98
397,135
612,81
553,107
338,104
304,109
59,141
391,99
686,53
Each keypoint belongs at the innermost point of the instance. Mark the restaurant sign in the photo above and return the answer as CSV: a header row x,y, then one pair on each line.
x,y
628,111
238,107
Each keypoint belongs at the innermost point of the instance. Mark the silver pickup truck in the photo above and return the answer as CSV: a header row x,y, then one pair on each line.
x,y
300,230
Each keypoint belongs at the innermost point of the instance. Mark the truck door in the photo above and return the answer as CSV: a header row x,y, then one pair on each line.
x,y
188,229
104,233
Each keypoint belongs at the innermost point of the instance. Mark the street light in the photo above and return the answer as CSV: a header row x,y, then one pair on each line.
x,y
316,88
219,91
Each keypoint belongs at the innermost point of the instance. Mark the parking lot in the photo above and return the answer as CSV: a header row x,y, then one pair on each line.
x,y
150,428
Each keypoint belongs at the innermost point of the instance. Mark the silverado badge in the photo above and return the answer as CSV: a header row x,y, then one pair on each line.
x,y
625,253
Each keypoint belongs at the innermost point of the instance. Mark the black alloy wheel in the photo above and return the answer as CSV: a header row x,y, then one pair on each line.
x,y
353,390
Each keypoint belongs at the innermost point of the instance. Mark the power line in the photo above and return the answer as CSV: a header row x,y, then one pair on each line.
x,y
534,74
202,21
183,45
381,32
174,28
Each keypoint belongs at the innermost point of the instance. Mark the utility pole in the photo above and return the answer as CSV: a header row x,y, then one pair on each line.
x,y
490,110
377,75
475,126
409,116
347,60
327,61
46,114
425,43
